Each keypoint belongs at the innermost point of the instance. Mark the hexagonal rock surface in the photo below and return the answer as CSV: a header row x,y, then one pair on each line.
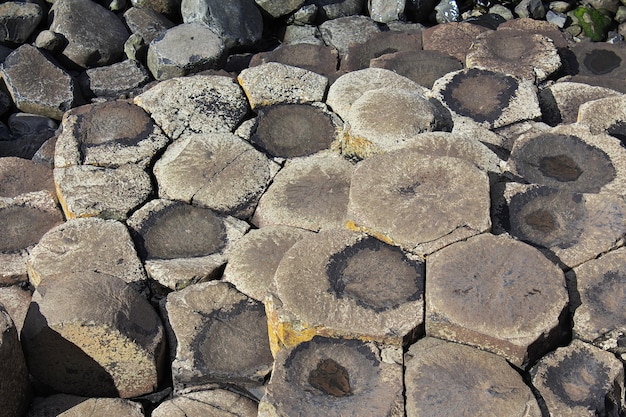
x,y
214,402
606,115
349,285
498,294
419,202
275,83
599,60
15,385
571,158
91,334
514,52
443,378
110,134
572,227
198,104
76,406
20,176
349,87
489,98
219,171
381,43
310,193
540,27
580,380
292,130
84,245
183,244
321,59
343,31
217,334
253,259
335,377
454,38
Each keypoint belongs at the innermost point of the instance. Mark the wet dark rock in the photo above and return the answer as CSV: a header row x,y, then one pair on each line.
x,y
18,20
599,60
15,386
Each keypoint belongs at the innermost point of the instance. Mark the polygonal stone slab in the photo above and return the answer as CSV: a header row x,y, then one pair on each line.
x,y
253,259
335,377
599,59
571,158
91,334
498,294
381,43
217,334
19,20
310,193
275,83
20,176
15,385
580,380
109,135
442,377
228,175
607,115
489,98
213,402
418,202
122,79
75,406
454,38
540,27
346,30
321,59
198,104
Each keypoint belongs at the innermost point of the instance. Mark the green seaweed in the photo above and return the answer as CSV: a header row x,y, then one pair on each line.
x,y
594,23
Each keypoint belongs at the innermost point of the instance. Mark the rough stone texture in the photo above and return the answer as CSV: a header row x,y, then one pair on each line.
x,y
36,84
540,27
442,377
169,8
15,384
94,40
317,58
18,20
84,245
580,380
595,59
307,34
360,54
185,49
197,104
310,193
343,31
91,334
253,259
30,132
21,176
214,402
16,299
146,22
116,80
454,38
418,202
385,11
606,115
497,294
340,8
217,334
229,175
275,83
335,377
76,406
278,8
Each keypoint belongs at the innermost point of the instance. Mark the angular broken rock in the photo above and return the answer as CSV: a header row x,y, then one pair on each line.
x,y
16,299
19,20
580,380
381,43
607,115
219,171
309,192
498,294
375,291
84,245
442,377
419,202
15,385
253,259
117,80
214,402
277,8
196,104
91,334
343,31
217,335
275,83
454,38
503,99
76,406
333,378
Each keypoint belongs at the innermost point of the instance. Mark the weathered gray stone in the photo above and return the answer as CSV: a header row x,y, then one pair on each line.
x,y
313,57
21,176
211,402
278,8
444,377
36,84
217,334
560,102
117,80
84,245
31,125
275,83
146,22
419,202
295,34
75,406
90,334
94,40
18,20
497,294
454,38
197,104
16,299
229,174
540,27
169,8
530,9
580,380
343,31
385,11
14,385
605,115
381,43
50,41
310,193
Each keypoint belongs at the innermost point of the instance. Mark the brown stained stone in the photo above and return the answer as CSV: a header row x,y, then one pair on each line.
x,y
253,259
15,385
335,377
489,98
453,38
23,225
443,378
292,130
214,403
580,380
607,115
219,171
498,294
540,27
16,299
75,406
381,43
349,285
217,334
20,176
110,134
571,158
91,334
418,202
422,67
317,58
616,84
594,59
560,102
514,52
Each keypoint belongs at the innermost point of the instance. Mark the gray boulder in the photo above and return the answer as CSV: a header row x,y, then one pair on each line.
x,y
18,20
114,81
169,8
